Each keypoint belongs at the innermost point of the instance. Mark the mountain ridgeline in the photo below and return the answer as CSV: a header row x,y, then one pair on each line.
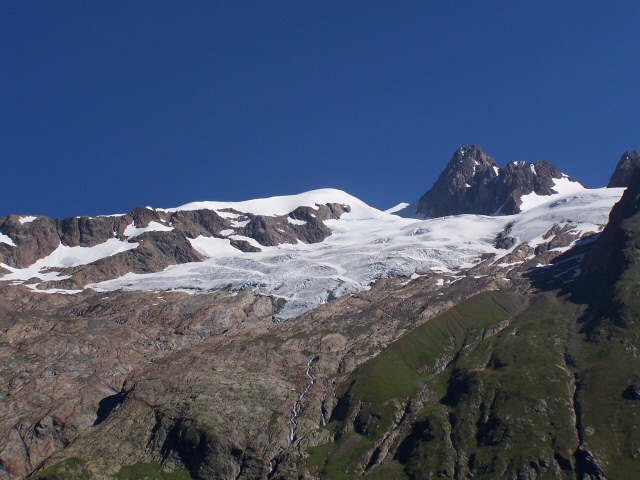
x,y
472,182
471,346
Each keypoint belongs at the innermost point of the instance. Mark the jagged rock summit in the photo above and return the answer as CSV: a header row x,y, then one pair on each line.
x,y
473,183
463,186
628,164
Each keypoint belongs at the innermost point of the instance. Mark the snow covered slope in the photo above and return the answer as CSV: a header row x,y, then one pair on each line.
x,y
563,186
283,205
366,244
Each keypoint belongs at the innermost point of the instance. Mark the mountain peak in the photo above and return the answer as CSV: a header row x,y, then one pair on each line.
x,y
461,187
622,175
473,183
473,152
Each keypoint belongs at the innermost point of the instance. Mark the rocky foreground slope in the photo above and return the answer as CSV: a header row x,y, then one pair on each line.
x,y
470,346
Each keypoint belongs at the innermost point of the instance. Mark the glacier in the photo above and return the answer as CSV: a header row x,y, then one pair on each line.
x,y
366,244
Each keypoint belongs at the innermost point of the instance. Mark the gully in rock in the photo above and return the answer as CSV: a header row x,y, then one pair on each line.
x,y
295,411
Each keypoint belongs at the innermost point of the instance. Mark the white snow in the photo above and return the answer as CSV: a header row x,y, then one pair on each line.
x,y
28,219
133,231
238,224
249,240
282,205
497,170
6,239
366,244
214,247
563,186
65,256
294,221
587,212
397,208
359,251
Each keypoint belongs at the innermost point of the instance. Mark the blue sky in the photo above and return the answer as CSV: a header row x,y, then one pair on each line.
x,y
110,105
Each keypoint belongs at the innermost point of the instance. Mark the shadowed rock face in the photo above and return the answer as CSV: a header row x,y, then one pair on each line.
x,y
607,259
465,185
521,178
628,164
472,183
611,268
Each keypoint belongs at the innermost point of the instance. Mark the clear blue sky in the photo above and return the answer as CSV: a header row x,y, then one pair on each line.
x,y
108,105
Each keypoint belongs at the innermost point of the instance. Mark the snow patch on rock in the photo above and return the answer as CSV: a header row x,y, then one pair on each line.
x,y
132,231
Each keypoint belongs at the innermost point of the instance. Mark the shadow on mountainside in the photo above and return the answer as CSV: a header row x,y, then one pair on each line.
x,y
602,271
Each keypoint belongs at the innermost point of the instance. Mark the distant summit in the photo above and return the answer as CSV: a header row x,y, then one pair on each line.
x,y
472,183
521,184
464,186
628,164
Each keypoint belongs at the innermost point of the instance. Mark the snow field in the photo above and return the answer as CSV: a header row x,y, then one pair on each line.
x,y
366,244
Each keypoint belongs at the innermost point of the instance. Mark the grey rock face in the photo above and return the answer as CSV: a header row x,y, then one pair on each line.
x,y
521,178
472,183
463,186
628,164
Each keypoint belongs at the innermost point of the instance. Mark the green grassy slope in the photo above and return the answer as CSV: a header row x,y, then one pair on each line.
x,y
492,388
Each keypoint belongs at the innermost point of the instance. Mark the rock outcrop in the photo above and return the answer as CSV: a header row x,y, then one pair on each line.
x,y
628,164
464,186
520,178
473,183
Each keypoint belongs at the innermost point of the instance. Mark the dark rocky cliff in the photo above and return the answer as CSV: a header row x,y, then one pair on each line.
x,y
629,162
473,183
464,186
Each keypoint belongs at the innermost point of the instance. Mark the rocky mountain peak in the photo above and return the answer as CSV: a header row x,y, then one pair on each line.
x,y
472,154
473,183
521,178
461,187
469,163
629,163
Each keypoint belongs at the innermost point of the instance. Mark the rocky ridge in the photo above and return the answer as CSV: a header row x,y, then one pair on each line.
x,y
622,175
472,182
148,240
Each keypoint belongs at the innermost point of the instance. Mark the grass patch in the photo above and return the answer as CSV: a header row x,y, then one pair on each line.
x,y
271,338
154,471
399,371
69,468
